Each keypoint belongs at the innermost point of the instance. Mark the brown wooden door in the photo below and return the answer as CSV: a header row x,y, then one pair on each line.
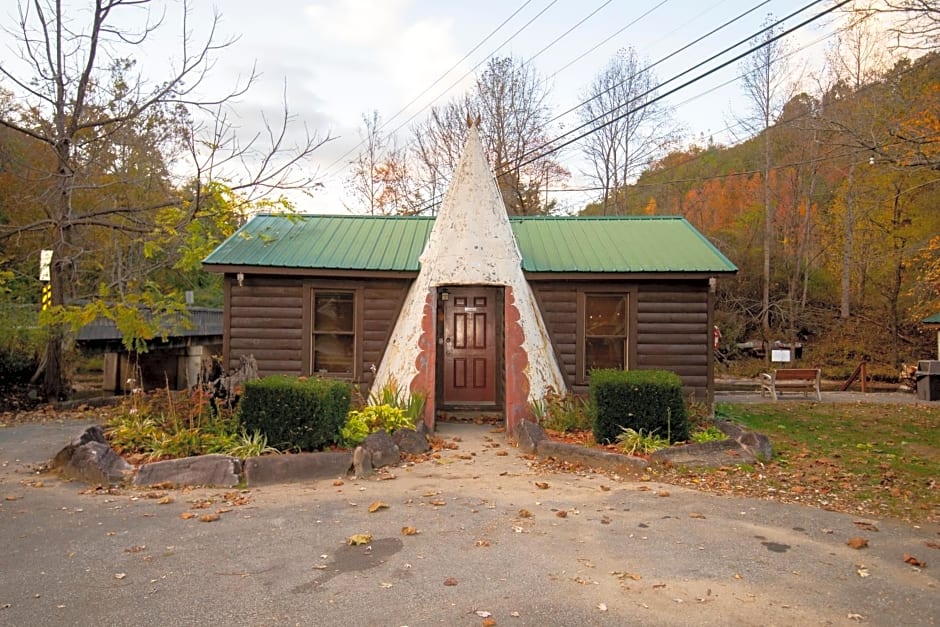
x,y
470,346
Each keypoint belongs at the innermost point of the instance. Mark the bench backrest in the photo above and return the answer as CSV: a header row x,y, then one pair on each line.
x,y
796,374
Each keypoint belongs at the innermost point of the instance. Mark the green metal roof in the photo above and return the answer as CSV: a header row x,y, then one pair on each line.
x,y
547,244
934,319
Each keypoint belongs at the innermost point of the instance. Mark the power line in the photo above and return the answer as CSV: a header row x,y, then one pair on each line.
x,y
554,148
441,77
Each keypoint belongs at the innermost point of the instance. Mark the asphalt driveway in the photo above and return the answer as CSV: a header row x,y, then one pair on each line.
x,y
496,539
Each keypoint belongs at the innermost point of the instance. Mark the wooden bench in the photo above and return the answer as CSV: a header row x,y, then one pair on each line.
x,y
800,379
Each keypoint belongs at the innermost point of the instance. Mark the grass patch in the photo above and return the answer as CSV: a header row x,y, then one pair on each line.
x,y
875,459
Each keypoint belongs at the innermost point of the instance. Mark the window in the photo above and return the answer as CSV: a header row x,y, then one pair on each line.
x,y
605,332
334,333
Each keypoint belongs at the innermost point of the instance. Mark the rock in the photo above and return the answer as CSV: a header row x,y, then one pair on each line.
x,y
362,462
730,429
207,470
95,463
624,465
528,435
758,445
422,429
94,433
410,441
292,468
382,449
714,453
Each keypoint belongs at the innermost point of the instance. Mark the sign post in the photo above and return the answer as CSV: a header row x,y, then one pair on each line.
x,y
45,275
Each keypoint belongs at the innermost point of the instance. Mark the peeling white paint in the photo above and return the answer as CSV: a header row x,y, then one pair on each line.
x,y
471,243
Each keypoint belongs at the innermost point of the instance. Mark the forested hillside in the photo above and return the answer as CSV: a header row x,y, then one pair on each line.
x,y
853,191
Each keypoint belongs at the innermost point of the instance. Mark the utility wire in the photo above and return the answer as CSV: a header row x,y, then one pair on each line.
x,y
554,148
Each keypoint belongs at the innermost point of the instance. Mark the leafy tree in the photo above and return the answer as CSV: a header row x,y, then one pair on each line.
x,y
108,138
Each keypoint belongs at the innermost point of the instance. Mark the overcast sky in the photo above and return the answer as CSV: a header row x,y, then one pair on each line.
x,y
345,58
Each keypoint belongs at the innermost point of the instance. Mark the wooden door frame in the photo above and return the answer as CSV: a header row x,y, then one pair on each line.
x,y
498,293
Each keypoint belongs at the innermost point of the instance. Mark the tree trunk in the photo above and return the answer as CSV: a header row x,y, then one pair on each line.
x,y
847,251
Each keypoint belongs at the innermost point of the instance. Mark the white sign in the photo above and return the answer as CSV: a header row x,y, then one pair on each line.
x,y
780,355
45,260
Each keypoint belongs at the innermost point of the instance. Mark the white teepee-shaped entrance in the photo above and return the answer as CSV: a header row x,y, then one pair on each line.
x,y
470,334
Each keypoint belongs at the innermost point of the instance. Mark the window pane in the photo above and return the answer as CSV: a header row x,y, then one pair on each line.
x,y
333,353
334,311
603,352
605,315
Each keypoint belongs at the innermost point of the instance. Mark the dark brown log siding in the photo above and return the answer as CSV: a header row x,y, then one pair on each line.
x,y
669,327
269,317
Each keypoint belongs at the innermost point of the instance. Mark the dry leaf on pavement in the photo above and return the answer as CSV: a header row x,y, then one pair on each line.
x,y
857,543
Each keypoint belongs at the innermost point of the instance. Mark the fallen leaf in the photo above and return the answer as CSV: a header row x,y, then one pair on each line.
x,y
430,494
209,518
488,622
223,510
187,515
409,531
120,575
482,543
376,506
798,489
867,526
11,497
643,488
359,538
338,482
166,500
135,549
483,613
857,543
604,488
664,493
524,513
541,485
857,617
450,581
502,453
438,502
602,607
385,584
661,585
913,561
696,515
515,614
562,513
862,571
738,576
623,575
932,545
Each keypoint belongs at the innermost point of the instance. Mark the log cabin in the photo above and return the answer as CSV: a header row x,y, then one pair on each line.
x,y
474,309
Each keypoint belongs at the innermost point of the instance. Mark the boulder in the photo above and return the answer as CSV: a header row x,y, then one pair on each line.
x,y
528,434
362,462
292,468
95,463
624,465
410,441
208,470
714,453
757,445
382,449
94,433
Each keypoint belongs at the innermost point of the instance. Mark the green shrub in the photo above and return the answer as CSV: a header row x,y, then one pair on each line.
x,y
299,414
708,434
372,418
633,442
643,400
394,395
562,412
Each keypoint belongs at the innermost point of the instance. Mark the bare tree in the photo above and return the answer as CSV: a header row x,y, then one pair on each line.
x,y
76,104
512,103
766,86
629,131
918,23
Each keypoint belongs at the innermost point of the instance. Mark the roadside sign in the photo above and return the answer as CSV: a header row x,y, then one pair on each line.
x,y
45,261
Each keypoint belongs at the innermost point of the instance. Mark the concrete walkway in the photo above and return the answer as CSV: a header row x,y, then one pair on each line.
x,y
495,535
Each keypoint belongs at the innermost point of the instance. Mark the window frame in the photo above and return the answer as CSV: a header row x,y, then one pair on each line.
x,y
310,331
583,376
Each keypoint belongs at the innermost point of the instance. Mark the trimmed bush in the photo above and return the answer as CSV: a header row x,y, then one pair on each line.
x,y
296,414
647,401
